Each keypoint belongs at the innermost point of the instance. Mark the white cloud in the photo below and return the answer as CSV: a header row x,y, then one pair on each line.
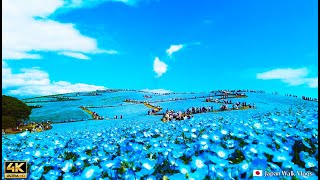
x,y
92,3
174,48
161,91
312,82
159,67
27,30
283,73
60,87
33,81
75,55
292,77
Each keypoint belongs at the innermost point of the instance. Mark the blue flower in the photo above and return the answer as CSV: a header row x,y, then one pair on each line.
x,y
287,148
281,157
148,166
83,156
79,163
306,144
91,172
244,167
38,161
224,132
223,163
311,162
221,174
101,153
37,153
222,153
204,145
177,177
68,176
198,162
250,151
52,174
184,169
204,136
199,174
129,174
303,155
151,178
67,165
173,161
259,163
266,149
177,153
274,167
216,137
37,172
231,143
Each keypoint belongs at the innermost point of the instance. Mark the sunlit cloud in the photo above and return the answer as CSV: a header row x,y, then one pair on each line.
x,y
34,81
292,77
75,55
159,67
160,91
174,48
28,30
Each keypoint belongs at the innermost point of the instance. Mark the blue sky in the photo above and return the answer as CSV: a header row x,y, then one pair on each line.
x,y
65,46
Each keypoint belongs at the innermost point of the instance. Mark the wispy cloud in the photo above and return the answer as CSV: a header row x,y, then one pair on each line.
x,y
159,67
60,87
174,48
34,81
75,55
28,30
160,91
93,3
292,77
177,47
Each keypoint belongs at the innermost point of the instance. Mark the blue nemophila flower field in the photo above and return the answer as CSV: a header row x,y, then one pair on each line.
x,y
281,134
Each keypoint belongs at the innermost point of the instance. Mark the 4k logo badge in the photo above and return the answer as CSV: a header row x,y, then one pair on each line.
x,y
15,169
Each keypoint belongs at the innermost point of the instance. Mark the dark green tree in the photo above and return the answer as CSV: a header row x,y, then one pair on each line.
x,y
13,111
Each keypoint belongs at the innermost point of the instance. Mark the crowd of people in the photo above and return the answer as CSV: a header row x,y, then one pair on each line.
x,y
134,101
146,96
92,94
210,99
35,106
30,126
238,91
237,105
303,97
96,116
170,115
70,120
291,95
116,117
309,98
93,114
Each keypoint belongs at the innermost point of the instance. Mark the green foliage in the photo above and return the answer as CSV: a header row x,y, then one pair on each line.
x,y
13,110
70,155
236,157
46,169
8,122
